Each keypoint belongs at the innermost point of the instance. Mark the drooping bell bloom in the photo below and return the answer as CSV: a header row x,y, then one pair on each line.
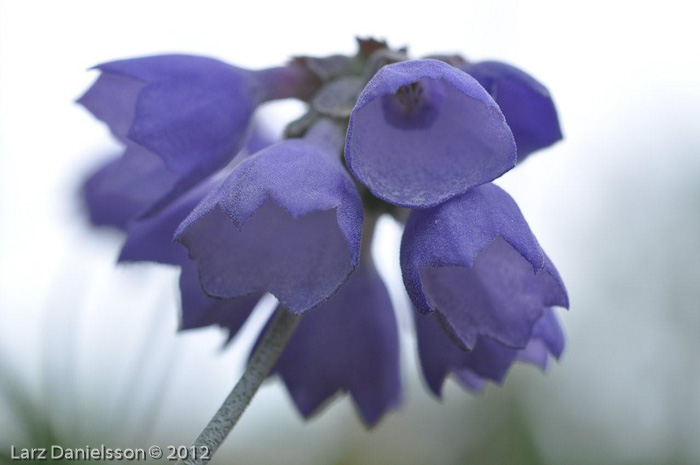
x,y
182,117
490,360
474,262
423,131
524,101
349,344
287,220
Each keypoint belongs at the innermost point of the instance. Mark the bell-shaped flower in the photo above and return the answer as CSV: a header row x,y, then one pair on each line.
x,y
424,131
187,115
348,344
524,101
474,262
287,220
490,360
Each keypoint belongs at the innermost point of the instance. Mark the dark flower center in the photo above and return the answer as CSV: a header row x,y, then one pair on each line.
x,y
413,106
410,95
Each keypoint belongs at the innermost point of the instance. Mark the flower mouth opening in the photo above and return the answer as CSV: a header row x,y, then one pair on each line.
x,y
415,105
410,96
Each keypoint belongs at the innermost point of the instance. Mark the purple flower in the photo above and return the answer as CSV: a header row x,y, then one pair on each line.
x,y
483,289
524,101
181,117
287,220
349,344
423,131
474,262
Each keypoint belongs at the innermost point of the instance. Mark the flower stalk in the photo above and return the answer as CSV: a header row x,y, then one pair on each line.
x,y
261,364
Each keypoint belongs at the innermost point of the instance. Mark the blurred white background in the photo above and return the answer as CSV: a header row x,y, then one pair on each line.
x,y
93,348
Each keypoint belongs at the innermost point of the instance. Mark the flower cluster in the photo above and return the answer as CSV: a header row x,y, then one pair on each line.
x,y
384,134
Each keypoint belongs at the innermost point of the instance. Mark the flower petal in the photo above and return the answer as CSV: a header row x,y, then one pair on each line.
x,y
125,187
423,131
439,356
524,101
454,232
548,330
497,297
489,360
349,343
151,238
200,310
287,220
475,261
105,210
192,111
112,100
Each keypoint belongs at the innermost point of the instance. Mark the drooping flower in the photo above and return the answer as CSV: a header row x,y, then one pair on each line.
x,y
423,131
181,117
525,102
474,262
348,344
287,220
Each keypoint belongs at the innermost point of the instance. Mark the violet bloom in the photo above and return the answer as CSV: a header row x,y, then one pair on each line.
x,y
348,344
423,131
475,265
524,101
181,118
288,220
474,261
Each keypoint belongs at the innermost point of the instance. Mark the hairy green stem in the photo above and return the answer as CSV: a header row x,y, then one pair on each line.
x,y
259,367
